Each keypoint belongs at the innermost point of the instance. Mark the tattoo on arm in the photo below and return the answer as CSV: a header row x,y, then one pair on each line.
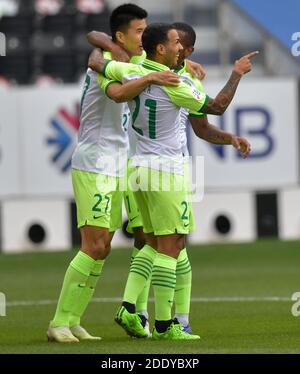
x,y
218,105
217,136
210,133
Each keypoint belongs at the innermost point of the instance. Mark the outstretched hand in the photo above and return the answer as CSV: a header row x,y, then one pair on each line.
x,y
244,65
242,145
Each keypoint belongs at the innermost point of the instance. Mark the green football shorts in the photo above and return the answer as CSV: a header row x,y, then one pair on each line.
x,y
98,199
162,199
133,212
188,188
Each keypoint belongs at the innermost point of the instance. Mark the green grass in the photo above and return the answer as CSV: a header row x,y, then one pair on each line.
x,y
261,269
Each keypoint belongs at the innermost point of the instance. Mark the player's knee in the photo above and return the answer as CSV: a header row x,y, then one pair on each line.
x,y
139,237
152,241
139,243
181,243
107,249
99,248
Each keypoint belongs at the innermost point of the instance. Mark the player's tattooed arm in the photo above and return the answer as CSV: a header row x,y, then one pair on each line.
x,y
96,60
219,104
204,130
103,41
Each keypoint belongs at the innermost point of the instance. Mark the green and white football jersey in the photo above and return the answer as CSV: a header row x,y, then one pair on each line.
x,y
184,113
102,138
156,118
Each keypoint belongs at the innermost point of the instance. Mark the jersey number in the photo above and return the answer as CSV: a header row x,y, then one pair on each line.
x,y
99,199
151,104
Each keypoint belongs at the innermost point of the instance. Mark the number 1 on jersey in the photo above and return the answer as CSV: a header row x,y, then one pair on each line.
x,y
151,104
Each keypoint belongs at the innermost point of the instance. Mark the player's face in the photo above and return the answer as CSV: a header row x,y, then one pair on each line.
x,y
186,51
173,48
132,38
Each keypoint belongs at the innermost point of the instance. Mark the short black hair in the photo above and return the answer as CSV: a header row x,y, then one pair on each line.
x,y
154,34
121,17
190,35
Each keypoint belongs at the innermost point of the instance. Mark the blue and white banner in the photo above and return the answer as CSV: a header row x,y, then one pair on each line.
x,y
38,133
265,111
50,120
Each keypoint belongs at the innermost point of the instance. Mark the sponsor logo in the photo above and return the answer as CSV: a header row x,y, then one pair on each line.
x,y
65,125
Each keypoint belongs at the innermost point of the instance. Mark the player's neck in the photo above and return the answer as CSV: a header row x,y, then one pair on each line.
x,y
157,58
124,49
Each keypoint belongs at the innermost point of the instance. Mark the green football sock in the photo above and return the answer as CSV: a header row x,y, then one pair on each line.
x,y
134,252
142,300
163,282
183,287
140,271
72,289
87,293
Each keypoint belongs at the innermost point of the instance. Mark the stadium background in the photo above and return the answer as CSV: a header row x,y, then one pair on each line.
x,y
43,55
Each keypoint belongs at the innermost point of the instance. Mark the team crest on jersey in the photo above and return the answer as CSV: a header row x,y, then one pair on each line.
x,y
65,125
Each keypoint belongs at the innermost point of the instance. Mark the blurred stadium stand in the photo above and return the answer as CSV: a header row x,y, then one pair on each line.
x,y
47,37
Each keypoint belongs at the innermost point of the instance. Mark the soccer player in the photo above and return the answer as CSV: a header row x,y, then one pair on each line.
x,y
211,134
165,214
98,166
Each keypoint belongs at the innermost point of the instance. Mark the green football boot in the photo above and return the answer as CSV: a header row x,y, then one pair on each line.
x,y
174,332
130,322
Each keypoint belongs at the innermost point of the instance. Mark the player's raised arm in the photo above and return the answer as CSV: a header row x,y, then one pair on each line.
x,y
96,60
103,41
219,104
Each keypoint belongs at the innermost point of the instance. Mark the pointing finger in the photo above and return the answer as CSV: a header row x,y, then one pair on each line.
x,y
252,54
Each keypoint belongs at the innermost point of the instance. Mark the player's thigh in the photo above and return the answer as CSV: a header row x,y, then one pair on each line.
x,y
116,211
98,200
170,245
137,185
170,209
143,204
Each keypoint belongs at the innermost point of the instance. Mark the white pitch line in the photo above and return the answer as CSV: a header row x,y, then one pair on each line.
x,y
234,299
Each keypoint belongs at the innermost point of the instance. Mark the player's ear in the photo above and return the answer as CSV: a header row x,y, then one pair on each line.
x,y
120,37
189,51
160,49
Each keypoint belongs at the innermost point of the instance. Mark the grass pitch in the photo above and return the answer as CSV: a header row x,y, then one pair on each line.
x,y
241,301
